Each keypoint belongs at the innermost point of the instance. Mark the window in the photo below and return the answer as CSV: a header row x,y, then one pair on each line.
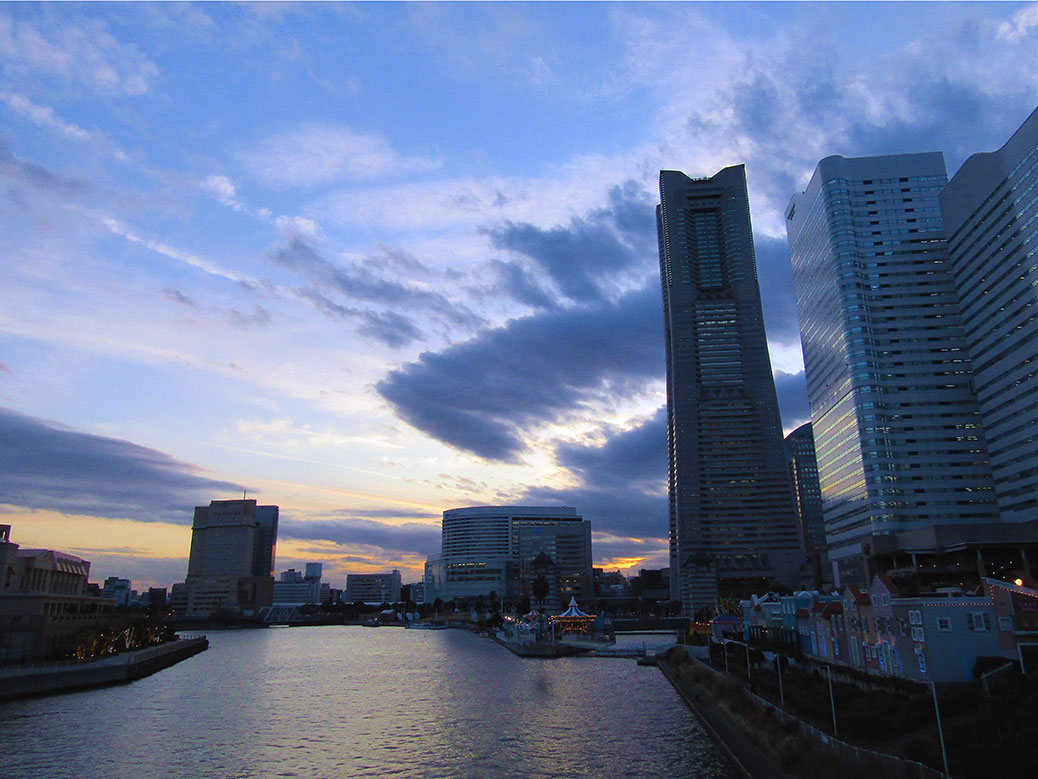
x,y
915,617
886,599
944,624
864,623
1006,624
873,598
922,662
902,626
978,620
918,634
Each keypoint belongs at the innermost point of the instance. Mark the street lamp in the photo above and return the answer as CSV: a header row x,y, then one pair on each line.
x,y
940,730
832,700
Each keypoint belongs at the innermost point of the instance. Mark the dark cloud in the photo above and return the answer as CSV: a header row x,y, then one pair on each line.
x,y
519,285
409,538
480,396
622,485
791,389
586,258
37,176
777,296
176,296
361,281
390,328
258,317
631,459
44,466
955,117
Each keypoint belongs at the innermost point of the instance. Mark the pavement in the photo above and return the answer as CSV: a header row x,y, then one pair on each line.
x,y
749,759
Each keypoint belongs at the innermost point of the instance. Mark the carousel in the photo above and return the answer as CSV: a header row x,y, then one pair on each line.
x,y
572,620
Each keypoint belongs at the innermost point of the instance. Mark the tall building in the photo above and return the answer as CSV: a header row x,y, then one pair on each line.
x,y
990,210
488,549
732,521
803,470
897,432
231,567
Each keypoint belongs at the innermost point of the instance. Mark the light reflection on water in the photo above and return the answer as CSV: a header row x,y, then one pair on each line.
x,y
353,701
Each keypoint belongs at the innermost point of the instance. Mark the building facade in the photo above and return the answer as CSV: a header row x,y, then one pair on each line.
x,y
44,602
803,470
990,209
373,588
231,567
898,436
732,520
488,549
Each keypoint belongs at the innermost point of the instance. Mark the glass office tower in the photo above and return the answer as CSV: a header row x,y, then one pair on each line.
x,y
898,436
732,519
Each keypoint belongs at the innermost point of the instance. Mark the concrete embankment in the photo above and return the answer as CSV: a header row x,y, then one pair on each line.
x,y
746,757
59,677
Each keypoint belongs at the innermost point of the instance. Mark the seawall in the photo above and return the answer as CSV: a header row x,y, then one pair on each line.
x,y
120,669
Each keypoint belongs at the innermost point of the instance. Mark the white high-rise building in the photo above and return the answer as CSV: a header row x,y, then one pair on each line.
x,y
898,437
991,214
490,549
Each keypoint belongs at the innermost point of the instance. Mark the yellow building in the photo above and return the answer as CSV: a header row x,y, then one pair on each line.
x,y
44,601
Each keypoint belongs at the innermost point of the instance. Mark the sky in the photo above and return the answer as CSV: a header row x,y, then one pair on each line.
x,y
369,262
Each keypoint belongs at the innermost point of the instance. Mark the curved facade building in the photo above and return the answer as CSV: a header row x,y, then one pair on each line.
x,y
488,549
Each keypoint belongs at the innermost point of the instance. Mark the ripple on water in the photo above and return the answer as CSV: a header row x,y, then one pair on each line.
x,y
351,702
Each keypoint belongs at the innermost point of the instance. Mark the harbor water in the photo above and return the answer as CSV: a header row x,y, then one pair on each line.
x,y
363,702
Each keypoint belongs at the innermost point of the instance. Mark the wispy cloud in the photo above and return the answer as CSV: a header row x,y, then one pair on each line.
x,y
316,154
44,116
83,53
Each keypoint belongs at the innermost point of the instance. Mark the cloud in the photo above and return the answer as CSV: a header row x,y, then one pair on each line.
x,y
587,259
482,395
777,296
629,459
38,176
46,466
791,389
408,538
43,116
223,189
364,281
622,483
83,53
322,154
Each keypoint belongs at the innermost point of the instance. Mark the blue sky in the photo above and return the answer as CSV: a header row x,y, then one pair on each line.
x,y
374,261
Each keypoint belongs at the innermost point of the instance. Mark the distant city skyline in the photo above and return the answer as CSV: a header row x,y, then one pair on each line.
x,y
374,262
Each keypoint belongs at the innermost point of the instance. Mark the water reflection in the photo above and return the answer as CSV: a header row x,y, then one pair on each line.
x,y
355,702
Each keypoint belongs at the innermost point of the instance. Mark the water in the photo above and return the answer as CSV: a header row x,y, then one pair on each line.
x,y
355,702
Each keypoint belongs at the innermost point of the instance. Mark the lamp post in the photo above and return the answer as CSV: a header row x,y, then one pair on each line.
x,y
778,664
749,677
724,644
940,730
832,700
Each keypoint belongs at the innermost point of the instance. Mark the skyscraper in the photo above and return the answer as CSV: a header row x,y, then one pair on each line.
x,y
732,521
803,470
990,209
897,433
232,557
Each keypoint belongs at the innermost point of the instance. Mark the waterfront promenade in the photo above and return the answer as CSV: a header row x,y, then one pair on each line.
x,y
49,678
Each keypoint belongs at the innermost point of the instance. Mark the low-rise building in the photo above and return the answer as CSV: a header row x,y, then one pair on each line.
x,y
373,588
45,601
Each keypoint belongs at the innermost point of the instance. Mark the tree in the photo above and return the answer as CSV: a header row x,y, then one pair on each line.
x,y
540,590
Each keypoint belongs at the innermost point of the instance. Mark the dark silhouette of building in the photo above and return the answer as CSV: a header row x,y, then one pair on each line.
x,y
803,470
732,520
